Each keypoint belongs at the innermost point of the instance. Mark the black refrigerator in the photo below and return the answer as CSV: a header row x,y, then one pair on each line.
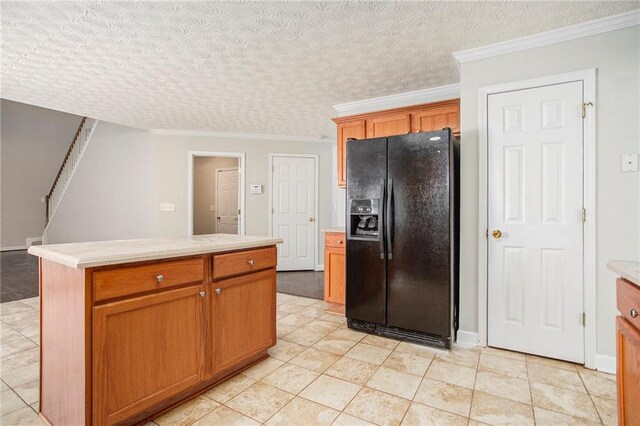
x,y
402,236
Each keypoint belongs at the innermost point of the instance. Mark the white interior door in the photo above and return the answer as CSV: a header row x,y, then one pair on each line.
x,y
293,192
227,201
535,182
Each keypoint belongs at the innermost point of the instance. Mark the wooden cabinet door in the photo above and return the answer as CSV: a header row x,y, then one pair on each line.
x,y
334,275
437,119
352,129
146,349
390,125
628,372
243,317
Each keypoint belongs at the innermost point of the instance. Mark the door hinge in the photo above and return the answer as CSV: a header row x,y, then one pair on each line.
x,y
273,211
486,233
584,215
584,108
273,168
583,319
238,211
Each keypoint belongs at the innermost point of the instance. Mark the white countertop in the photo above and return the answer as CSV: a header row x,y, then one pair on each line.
x,y
336,229
101,253
627,269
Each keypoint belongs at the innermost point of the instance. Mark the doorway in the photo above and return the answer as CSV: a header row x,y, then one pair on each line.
x,y
216,193
294,209
535,289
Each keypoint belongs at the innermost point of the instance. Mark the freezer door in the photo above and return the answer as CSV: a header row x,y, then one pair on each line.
x,y
366,175
419,272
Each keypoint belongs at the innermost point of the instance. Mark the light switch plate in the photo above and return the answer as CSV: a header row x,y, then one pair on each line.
x,y
212,208
629,162
255,189
167,207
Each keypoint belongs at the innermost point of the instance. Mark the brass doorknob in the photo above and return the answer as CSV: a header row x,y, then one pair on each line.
x,y
496,234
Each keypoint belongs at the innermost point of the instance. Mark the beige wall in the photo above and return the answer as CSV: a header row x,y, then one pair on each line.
x,y
204,188
616,57
126,173
112,194
33,143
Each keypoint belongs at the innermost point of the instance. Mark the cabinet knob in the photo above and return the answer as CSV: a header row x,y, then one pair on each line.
x,y
160,278
251,262
339,241
633,313
218,290
202,294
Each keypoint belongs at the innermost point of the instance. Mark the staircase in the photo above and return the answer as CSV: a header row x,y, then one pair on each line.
x,y
68,168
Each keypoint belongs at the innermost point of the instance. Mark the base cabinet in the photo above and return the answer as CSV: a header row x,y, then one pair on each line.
x,y
146,350
121,344
628,352
243,311
628,372
335,267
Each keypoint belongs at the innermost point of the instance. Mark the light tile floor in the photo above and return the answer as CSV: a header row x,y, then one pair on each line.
x,y
320,372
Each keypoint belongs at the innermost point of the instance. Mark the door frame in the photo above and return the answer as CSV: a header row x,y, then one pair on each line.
x,y
241,156
215,195
588,77
316,163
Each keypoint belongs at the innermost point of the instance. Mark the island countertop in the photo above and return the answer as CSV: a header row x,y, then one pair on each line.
x,y
627,269
102,253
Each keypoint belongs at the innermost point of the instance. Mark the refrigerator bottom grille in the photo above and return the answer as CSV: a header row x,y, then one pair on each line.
x,y
399,333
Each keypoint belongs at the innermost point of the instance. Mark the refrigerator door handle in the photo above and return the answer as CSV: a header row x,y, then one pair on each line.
x,y
389,219
382,219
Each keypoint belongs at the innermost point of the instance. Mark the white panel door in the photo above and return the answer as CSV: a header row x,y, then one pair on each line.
x,y
535,278
227,201
294,211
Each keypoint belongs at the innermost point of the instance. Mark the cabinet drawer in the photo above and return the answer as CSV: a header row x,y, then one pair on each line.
x,y
132,280
628,296
225,265
335,240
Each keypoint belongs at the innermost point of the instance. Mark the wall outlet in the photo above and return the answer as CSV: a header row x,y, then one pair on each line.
x,y
255,189
167,207
629,162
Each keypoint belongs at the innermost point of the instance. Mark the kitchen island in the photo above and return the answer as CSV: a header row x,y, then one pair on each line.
x,y
131,328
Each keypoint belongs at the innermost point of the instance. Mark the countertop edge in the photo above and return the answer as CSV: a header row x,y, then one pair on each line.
x,y
76,263
629,270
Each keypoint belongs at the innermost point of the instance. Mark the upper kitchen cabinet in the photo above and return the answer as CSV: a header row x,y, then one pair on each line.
x,y
398,121
388,125
437,118
354,129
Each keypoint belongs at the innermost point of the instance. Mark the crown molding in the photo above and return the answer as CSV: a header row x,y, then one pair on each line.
x,y
422,96
585,29
247,136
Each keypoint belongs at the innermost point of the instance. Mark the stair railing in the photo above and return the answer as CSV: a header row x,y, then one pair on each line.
x,y
60,183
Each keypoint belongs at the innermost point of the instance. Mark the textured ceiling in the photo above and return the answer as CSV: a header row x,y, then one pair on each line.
x,y
251,67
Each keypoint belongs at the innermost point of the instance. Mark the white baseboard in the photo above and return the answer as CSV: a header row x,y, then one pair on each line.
x,y
319,268
13,248
467,338
606,363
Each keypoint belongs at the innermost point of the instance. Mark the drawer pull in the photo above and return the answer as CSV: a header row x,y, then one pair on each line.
x,y
251,263
218,290
633,313
160,278
339,241
202,294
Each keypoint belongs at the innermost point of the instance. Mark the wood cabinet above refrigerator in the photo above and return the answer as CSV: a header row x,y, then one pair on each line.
x,y
397,121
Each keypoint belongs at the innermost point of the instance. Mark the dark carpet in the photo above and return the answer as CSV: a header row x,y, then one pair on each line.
x,y
302,283
18,275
